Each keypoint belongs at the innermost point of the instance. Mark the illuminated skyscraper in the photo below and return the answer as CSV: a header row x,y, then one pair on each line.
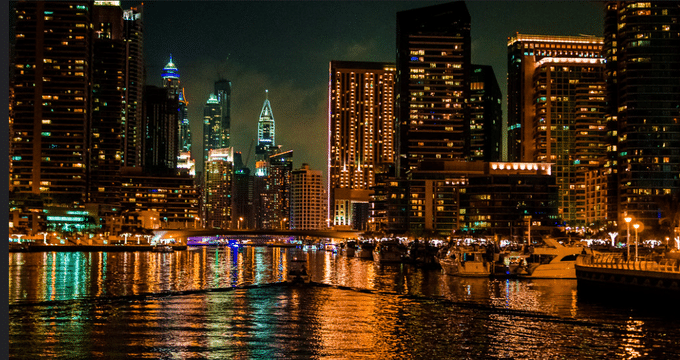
x,y
223,93
160,140
433,76
547,78
50,139
307,200
211,127
485,115
277,191
361,134
184,137
108,105
218,188
171,78
266,129
134,87
642,43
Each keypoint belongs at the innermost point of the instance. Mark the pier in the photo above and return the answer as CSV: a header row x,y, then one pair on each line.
x,y
608,269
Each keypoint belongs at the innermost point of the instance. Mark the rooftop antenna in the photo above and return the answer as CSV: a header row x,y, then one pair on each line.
x,y
266,94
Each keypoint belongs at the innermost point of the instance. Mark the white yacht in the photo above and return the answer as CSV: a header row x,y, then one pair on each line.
x,y
551,261
465,261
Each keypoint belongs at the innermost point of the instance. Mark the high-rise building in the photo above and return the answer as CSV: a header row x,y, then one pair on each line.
x,y
266,129
589,153
307,200
524,52
184,144
642,43
485,115
51,83
160,140
433,77
223,93
170,77
108,105
211,127
133,131
172,196
555,86
361,126
218,188
277,192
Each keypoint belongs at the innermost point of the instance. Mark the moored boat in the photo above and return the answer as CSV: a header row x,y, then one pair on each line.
x,y
348,248
465,261
297,271
551,261
389,251
364,250
162,248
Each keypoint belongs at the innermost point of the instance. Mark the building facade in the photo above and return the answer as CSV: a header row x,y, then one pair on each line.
x,y
132,121
433,76
553,82
108,105
173,196
361,134
219,174
642,42
480,198
160,140
211,127
277,191
223,93
486,115
51,83
307,200
266,129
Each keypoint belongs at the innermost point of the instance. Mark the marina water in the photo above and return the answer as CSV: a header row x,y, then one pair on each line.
x,y
225,302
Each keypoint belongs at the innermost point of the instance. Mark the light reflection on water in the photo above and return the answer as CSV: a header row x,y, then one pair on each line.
x,y
90,305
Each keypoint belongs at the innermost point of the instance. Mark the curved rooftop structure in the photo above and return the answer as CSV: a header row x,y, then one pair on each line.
x,y
170,71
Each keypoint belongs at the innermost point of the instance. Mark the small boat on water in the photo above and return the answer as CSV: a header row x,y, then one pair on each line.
x,y
297,271
364,250
551,261
389,251
161,248
348,248
466,260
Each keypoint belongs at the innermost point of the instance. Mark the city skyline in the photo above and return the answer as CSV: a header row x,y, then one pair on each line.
x,y
274,50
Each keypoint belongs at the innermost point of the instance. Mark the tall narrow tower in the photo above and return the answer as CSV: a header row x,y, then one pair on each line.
x,y
361,134
266,128
184,128
223,93
642,42
51,104
433,76
134,86
171,78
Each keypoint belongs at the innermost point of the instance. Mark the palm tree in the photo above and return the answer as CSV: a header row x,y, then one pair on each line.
x,y
669,206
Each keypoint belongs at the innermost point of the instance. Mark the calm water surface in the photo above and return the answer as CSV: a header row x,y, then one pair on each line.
x,y
236,303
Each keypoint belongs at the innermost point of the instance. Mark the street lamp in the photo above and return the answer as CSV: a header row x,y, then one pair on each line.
x,y
628,219
44,234
636,226
239,222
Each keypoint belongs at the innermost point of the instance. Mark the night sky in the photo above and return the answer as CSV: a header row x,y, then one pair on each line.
x,y
286,47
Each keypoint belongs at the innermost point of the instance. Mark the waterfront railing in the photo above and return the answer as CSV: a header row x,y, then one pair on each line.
x,y
616,261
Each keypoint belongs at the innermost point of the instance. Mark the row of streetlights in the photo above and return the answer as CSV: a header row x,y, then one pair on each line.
x,y
628,219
